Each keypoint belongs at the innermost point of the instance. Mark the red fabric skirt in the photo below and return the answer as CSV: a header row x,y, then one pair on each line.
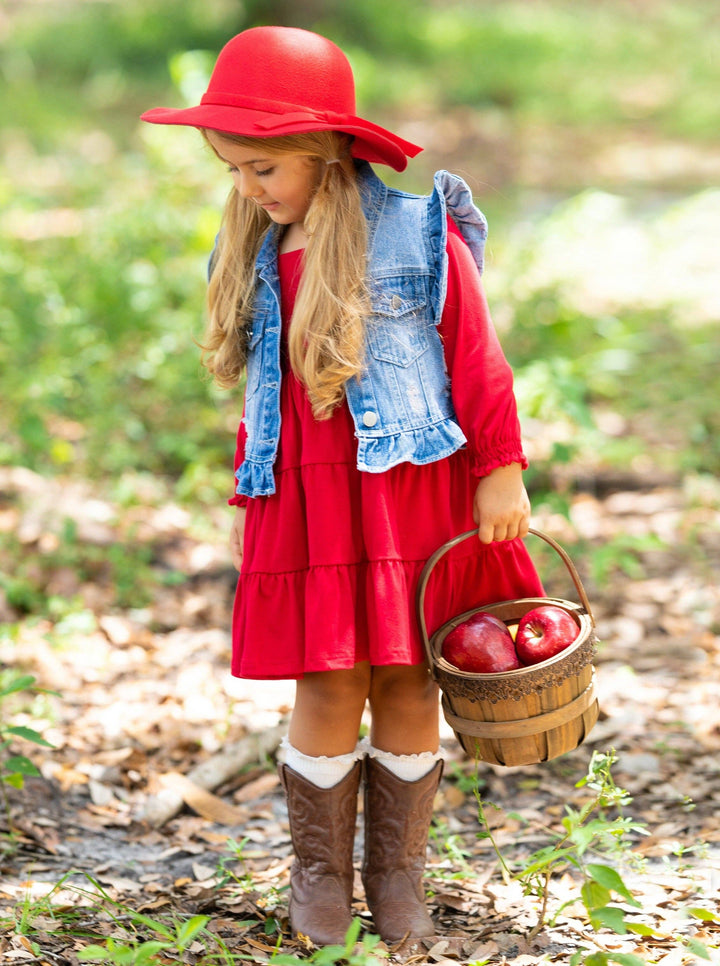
x,y
332,559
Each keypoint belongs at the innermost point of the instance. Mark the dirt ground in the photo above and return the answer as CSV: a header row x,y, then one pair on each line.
x,y
144,700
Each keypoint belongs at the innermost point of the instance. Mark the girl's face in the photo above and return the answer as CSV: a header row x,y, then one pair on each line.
x,y
281,184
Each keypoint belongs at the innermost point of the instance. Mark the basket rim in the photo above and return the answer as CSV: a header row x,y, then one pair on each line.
x,y
586,633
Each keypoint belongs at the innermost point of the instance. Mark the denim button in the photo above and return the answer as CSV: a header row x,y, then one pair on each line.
x,y
369,418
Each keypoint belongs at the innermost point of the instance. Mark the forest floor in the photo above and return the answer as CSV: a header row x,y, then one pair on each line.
x,y
144,699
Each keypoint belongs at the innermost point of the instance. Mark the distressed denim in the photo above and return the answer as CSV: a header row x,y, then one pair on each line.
x,y
401,404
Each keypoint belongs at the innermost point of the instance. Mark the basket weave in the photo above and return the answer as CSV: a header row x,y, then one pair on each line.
x,y
525,716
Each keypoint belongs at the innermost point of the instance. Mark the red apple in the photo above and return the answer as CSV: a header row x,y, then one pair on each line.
x,y
481,644
544,632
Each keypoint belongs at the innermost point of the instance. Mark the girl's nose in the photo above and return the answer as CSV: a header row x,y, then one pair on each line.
x,y
247,186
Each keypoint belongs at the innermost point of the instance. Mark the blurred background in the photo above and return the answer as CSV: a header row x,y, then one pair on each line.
x,y
589,131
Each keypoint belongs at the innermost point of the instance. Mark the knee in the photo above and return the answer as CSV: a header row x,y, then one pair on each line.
x,y
331,690
410,687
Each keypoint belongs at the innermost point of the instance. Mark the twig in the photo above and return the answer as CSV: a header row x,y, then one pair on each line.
x,y
537,928
213,772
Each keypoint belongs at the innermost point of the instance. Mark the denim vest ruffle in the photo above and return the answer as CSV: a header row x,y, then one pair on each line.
x,y
401,403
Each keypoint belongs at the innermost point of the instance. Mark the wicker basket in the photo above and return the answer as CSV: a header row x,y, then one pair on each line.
x,y
517,717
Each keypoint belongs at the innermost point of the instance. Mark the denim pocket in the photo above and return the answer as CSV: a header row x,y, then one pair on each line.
x,y
396,329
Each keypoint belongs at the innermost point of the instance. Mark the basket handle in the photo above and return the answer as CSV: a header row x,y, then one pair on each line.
x,y
441,551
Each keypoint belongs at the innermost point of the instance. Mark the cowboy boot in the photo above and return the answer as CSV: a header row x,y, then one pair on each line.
x,y
322,827
397,821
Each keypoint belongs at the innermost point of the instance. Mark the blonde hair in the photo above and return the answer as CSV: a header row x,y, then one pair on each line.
x,y
326,338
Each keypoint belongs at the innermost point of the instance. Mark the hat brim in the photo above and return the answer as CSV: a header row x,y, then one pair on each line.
x,y
371,142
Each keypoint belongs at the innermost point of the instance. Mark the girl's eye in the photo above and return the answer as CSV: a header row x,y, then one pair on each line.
x,y
233,169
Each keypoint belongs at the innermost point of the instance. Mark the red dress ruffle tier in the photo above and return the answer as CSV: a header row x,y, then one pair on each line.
x,y
332,559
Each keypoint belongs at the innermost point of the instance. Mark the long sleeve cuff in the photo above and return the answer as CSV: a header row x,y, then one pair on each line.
x,y
483,464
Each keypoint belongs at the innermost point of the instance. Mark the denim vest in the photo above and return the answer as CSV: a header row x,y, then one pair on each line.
x,y
401,403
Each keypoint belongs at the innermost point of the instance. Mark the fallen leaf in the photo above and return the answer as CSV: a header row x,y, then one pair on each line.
x,y
210,806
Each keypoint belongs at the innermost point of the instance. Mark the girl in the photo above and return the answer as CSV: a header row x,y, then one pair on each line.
x,y
379,422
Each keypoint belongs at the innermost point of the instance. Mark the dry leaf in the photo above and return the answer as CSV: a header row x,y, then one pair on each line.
x,y
211,807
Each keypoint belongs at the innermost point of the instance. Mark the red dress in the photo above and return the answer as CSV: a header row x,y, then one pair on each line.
x,y
332,558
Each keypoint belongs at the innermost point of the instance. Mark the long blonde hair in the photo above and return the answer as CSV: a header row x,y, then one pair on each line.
x,y
326,338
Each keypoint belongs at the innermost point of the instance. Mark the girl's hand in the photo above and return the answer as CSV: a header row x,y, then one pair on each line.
x,y
501,507
237,533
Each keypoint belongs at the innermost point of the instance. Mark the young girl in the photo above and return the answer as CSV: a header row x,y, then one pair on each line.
x,y
379,422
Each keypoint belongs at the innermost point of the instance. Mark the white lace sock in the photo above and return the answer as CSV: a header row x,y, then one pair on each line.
x,y
323,771
408,768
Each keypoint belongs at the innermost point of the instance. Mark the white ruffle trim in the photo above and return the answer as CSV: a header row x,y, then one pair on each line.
x,y
322,770
405,767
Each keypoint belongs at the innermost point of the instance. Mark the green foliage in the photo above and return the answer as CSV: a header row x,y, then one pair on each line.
x,y
137,939
175,938
599,829
141,939
124,567
466,781
619,322
587,831
100,61
352,953
450,843
227,874
15,768
98,352
622,553
602,958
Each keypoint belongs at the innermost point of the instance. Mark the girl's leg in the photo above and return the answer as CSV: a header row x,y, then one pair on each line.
x,y
402,773
405,710
321,777
327,711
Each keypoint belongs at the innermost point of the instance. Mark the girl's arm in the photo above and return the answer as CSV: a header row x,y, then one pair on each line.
x,y
237,529
484,401
237,534
238,499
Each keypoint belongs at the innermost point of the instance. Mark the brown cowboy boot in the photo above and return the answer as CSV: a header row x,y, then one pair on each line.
x,y
322,826
397,821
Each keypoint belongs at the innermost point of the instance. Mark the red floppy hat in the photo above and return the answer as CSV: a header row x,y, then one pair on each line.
x,y
271,81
